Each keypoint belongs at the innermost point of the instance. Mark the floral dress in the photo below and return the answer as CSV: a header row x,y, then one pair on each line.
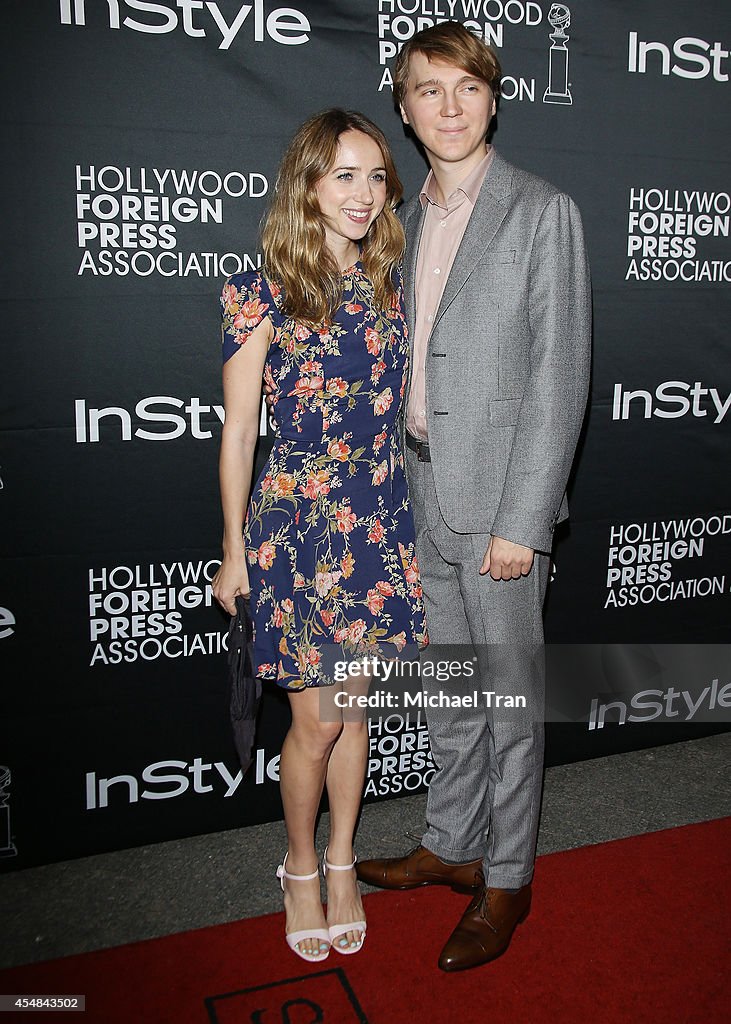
x,y
329,533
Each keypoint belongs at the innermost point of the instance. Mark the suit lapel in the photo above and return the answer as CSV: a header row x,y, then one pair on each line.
x,y
489,213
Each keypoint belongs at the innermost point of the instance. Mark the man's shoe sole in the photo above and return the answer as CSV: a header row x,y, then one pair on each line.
x,y
462,890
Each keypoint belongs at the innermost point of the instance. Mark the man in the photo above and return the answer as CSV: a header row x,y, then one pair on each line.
x,y
498,299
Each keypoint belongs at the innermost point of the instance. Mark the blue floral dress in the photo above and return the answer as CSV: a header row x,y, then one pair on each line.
x,y
329,534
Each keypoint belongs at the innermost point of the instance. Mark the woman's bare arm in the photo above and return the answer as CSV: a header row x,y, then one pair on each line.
x,y
242,376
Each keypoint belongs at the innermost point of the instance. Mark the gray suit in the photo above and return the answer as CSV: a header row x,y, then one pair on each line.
x,y
507,369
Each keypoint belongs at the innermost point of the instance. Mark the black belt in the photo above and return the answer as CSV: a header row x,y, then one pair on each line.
x,y
420,447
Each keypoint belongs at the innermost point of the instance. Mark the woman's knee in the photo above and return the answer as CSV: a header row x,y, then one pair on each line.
x,y
316,734
355,727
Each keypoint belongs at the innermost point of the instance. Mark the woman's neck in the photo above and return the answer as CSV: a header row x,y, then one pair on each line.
x,y
345,255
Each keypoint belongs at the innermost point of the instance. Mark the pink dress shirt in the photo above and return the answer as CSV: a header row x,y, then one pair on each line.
x,y
443,229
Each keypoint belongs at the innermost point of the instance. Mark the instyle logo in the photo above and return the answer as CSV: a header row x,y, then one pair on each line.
x,y
694,58
284,25
163,780
662,705
671,400
156,409
7,621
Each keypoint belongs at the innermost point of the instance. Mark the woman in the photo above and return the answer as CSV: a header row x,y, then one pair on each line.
x,y
328,549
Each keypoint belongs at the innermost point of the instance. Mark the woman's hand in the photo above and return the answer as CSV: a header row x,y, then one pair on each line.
x,y
230,580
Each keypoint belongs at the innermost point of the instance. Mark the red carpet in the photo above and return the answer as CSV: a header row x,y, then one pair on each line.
x,y
629,931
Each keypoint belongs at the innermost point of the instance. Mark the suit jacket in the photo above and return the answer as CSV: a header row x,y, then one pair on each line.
x,y
507,363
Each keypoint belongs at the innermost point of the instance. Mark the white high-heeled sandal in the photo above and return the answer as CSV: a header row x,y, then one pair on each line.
x,y
336,930
306,933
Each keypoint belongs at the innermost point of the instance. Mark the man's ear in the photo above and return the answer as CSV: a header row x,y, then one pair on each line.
x,y
404,115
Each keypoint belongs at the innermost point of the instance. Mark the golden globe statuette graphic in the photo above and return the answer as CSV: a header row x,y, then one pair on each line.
x,y
7,847
558,57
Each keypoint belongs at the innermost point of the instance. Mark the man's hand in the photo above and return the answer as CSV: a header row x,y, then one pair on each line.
x,y
269,396
505,560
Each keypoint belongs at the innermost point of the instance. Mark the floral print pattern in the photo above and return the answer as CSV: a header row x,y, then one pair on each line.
x,y
329,533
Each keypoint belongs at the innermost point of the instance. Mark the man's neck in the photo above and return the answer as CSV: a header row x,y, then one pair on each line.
x,y
449,176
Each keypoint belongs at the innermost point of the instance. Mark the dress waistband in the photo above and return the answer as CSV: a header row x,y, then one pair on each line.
x,y
347,436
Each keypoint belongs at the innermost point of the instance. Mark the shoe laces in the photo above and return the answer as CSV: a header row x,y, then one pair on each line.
x,y
483,902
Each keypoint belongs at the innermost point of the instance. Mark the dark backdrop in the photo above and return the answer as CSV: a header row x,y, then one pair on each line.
x,y
143,140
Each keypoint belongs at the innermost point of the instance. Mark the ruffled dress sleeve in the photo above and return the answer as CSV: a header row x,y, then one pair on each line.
x,y
245,300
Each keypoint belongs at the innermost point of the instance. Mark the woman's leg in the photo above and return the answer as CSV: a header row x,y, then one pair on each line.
x,y
302,769
345,780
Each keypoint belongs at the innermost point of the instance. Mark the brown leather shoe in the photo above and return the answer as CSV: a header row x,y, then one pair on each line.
x,y
486,928
419,867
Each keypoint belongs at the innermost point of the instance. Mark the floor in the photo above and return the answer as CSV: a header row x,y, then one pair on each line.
x,y
150,891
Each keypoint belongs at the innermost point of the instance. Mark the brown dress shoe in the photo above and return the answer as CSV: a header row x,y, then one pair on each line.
x,y
486,928
419,867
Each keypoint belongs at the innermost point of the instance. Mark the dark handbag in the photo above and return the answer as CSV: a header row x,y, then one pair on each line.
x,y
244,686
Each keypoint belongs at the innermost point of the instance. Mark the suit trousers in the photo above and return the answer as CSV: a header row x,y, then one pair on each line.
x,y
484,799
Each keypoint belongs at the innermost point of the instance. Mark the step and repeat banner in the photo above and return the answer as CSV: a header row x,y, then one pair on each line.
x,y
143,144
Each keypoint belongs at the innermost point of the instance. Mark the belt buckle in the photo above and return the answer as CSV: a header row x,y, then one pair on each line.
x,y
420,448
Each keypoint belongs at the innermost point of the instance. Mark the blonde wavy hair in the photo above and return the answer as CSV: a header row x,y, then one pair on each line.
x,y
296,256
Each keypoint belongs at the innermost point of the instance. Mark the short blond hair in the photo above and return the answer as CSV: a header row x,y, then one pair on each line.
x,y
453,44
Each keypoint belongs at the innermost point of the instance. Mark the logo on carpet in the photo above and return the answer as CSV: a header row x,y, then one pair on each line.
x,y
328,996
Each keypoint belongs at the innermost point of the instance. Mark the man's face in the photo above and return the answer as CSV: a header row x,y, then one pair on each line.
x,y
449,111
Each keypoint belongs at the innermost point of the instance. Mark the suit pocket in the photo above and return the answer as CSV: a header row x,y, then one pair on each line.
x,y
505,413
503,256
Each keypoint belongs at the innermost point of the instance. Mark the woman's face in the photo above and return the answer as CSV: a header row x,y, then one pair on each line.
x,y
353,192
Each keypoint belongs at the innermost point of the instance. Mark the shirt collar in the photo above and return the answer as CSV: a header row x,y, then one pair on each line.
x,y
470,186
